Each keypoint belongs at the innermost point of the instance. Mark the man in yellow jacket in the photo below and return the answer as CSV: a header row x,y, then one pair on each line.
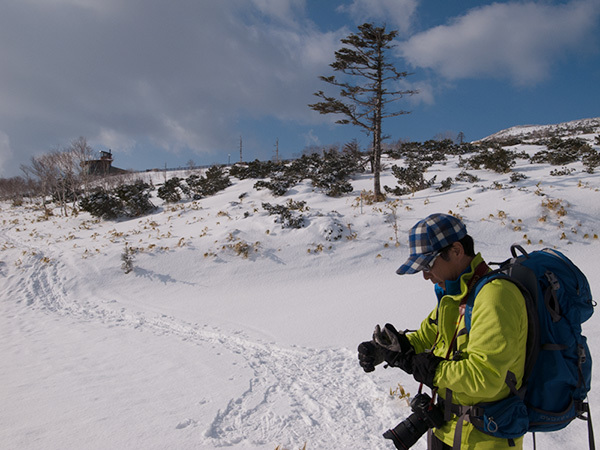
x,y
464,368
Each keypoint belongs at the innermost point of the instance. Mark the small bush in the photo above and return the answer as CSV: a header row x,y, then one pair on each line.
x,y
411,179
255,169
467,177
102,204
446,185
561,152
517,176
562,172
288,215
135,198
215,180
127,257
170,191
333,171
131,200
497,159
278,186
591,160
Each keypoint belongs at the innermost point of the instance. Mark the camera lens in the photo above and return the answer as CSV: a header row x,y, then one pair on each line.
x,y
424,416
407,432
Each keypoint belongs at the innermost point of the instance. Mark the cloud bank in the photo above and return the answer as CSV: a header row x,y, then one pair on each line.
x,y
516,41
176,74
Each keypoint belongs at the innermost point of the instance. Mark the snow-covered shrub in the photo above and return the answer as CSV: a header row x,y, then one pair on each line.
x,y
333,231
288,215
410,179
196,187
255,169
131,200
591,160
333,171
517,176
171,190
193,187
560,152
102,204
329,172
446,185
135,198
467,177
562,172
127,257
215,180
278,185
496,158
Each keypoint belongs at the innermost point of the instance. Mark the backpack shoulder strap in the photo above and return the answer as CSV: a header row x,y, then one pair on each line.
x,y
475,291
526,281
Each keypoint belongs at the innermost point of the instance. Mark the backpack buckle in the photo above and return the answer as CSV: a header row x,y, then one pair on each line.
x,y
553,280
582,355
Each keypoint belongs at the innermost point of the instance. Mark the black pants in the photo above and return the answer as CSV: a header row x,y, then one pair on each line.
x,y
435,444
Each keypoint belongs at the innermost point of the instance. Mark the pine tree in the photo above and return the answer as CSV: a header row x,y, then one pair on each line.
x,y
365,59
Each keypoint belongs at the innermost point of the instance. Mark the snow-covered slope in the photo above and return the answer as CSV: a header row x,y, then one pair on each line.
x,y
232,332
584,128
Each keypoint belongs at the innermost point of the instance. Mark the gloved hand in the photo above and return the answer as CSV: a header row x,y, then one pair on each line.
x,y
424,366
397,344
370,355
391,339
387,345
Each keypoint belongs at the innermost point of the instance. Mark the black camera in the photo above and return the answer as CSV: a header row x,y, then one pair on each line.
x,y
425,415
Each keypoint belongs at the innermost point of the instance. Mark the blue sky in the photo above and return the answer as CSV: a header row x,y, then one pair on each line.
x,y
163,83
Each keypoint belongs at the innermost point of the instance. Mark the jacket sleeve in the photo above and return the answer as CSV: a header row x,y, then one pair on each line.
x,y
424,338
495,345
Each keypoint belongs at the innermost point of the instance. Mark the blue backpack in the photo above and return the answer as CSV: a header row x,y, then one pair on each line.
x,y
558,367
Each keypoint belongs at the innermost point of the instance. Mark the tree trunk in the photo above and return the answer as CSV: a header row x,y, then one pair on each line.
x,y
377,125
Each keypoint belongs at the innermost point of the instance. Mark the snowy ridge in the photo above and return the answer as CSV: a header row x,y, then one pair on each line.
x,y
574,128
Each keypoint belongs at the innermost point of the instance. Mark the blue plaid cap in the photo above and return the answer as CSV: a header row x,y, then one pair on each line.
x,y
428,237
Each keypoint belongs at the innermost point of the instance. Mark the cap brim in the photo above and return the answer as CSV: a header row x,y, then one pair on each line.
x,y
415,263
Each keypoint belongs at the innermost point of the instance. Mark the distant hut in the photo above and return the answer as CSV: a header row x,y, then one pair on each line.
x,y
102,166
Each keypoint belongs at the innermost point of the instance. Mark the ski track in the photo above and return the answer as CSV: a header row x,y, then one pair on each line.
x,y
292,396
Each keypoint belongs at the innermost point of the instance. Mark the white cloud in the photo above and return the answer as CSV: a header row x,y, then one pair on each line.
x,y
5,153
178,73
518,41
311,139
283,10
397,13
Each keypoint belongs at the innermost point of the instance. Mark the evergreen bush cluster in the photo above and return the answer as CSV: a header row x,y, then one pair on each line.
x,y
560,152
410,179
431,151
467,177
329,172
128,200
496,158
334,170
289,215
255,169
194,187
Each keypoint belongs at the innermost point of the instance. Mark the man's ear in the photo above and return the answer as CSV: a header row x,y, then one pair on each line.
x,y
458,249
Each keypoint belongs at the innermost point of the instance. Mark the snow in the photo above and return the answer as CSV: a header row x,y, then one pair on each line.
x,y
200,347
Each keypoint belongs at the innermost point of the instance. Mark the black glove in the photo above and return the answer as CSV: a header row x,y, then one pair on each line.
x,y
424,366
401,351
370,355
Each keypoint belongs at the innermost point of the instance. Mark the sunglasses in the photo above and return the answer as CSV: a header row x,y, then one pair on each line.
x,y
430,264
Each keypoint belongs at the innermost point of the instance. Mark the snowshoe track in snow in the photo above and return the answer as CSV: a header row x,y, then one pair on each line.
x,y
292,396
